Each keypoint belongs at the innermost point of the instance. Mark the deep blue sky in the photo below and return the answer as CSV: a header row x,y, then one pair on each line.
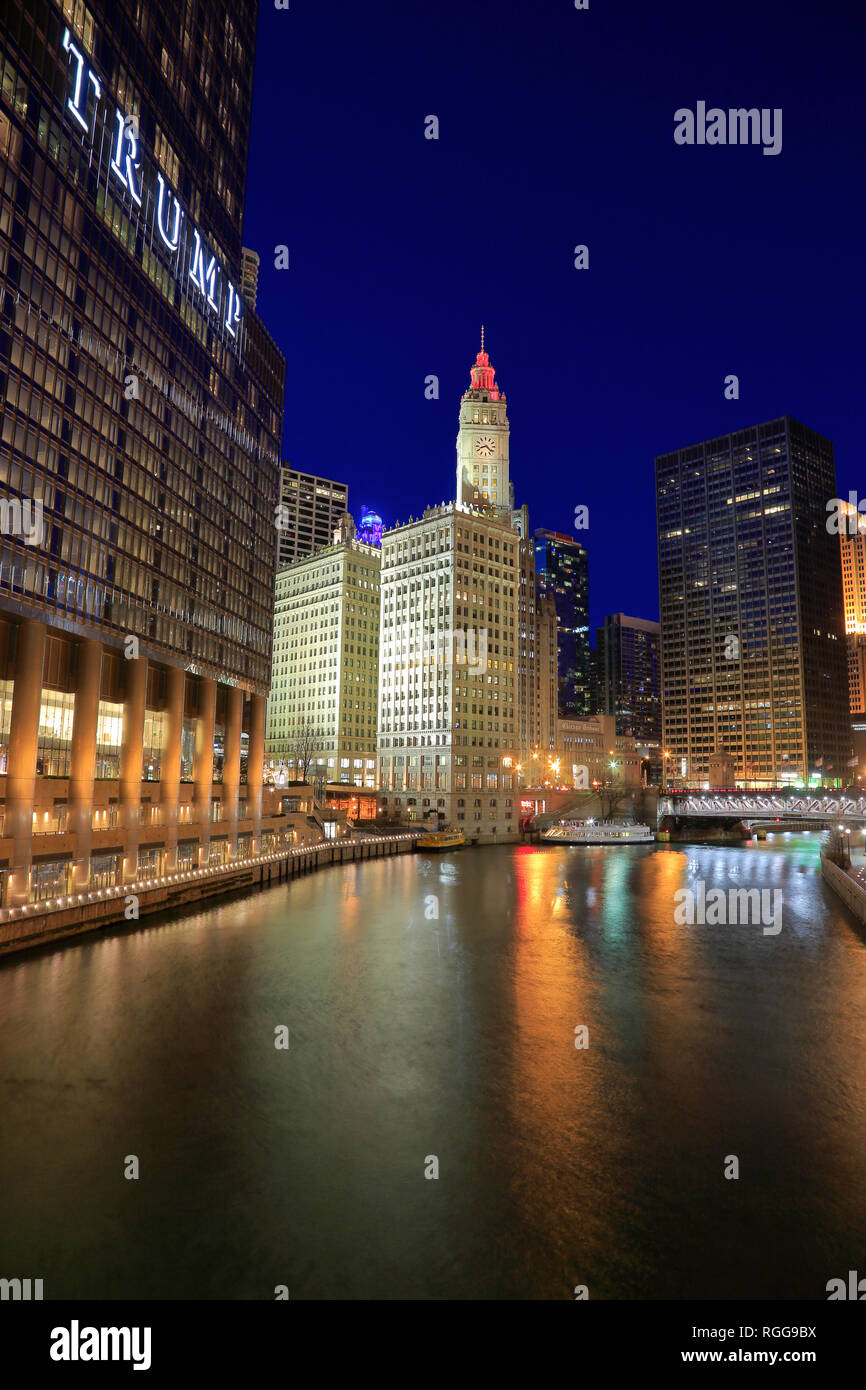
x,y
556,128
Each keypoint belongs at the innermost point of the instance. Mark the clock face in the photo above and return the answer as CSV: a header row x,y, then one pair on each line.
x,y
485,444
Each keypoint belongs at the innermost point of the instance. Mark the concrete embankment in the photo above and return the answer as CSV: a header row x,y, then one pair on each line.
x,y
850,890
62,918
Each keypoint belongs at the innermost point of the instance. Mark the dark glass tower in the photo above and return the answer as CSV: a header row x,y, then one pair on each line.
x,y
750,593
141,421
627,675
562,566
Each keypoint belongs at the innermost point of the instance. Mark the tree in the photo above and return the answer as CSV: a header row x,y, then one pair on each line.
x,y
612,796
641,805
303,746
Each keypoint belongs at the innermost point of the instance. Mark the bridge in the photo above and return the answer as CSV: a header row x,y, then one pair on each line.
x,y
764,807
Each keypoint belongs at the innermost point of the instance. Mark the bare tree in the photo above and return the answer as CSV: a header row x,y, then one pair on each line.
x,y
612,797
641,805
303,747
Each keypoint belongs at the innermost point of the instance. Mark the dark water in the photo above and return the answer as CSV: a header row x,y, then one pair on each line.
x,y
413,1036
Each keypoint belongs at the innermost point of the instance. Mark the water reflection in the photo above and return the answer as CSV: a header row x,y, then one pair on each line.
x,y
432,1005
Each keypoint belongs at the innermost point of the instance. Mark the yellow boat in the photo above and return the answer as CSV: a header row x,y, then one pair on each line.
x,y
442,839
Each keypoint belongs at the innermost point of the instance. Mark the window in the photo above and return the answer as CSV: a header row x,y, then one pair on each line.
x,y
104,871
149,862
109,739
219,751
50,880
152,745
187,749
6,688
54,746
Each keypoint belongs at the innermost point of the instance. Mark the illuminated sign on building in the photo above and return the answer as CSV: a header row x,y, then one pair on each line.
x,y
178,238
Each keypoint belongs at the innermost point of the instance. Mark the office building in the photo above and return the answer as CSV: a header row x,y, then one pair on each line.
x,y
321,719
627,675
562,566
852,540
590,754
447,671
250,276
141,418
309,513
750,592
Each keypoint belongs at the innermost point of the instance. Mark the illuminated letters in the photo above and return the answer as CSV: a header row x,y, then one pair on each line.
x,y
77,103
233,315
124,167
204,279
169,239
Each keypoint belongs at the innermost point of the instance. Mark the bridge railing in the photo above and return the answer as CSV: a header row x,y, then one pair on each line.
x,y
764,805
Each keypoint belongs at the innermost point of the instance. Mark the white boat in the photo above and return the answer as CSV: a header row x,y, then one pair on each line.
x,y
605,832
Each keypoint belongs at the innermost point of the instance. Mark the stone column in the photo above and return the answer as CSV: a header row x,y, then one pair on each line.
x,y
169,762
131,758
232,764
255,768
203,770
21,761
83,761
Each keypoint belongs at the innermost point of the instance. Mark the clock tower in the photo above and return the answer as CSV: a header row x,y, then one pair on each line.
x,y
482,440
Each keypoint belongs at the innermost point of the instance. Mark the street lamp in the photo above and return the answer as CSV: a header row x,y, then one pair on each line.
x,y
846,834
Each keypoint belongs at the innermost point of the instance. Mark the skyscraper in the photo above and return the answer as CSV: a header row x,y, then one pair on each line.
x,y
448,669
627,675
852,539
309,513
537,671
750,593
562,566
322,706
250,276
141,419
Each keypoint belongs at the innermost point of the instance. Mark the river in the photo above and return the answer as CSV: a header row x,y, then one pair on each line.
x,y
431,1007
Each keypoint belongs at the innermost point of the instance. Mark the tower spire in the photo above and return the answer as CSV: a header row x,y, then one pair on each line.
x,y
482,337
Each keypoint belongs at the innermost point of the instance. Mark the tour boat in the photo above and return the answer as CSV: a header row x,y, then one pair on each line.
x,y
607,832
442,839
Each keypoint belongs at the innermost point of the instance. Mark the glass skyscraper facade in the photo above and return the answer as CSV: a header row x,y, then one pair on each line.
x,y
140,442
750,593
562,567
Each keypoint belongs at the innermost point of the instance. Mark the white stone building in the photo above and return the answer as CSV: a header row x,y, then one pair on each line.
x,y
321,718
448,666
447,672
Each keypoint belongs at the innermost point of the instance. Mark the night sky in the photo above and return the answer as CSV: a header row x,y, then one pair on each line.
x,y
556,128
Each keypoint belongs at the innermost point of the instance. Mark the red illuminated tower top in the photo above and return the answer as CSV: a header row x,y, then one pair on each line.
x,y
482,441
483,377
